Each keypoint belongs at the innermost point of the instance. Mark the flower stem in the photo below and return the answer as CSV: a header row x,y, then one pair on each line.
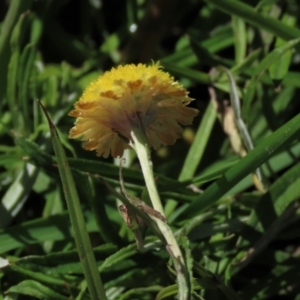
x,y
143,152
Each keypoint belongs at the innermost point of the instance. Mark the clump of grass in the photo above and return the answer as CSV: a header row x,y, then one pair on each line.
x,y
229,189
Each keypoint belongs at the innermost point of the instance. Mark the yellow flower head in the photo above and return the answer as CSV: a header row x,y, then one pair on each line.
x,y
128,97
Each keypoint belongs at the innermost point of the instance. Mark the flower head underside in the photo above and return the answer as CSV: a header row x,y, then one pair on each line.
x,y
127,98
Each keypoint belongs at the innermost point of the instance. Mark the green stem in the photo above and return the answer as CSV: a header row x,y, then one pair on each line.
x,y
143,152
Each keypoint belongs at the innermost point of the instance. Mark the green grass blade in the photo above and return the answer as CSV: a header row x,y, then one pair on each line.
x,y
240,38
188,73
196,151
89,189
63,262
54,228
81,236
26,65
35,289
279,70
249,14
278,140
15,9
269,60
14,71
16,195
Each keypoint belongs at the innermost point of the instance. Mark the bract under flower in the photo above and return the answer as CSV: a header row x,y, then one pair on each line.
x,y
128,97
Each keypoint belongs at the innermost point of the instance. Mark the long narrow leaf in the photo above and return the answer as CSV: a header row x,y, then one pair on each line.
x,y
249,14
279,139
81,236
